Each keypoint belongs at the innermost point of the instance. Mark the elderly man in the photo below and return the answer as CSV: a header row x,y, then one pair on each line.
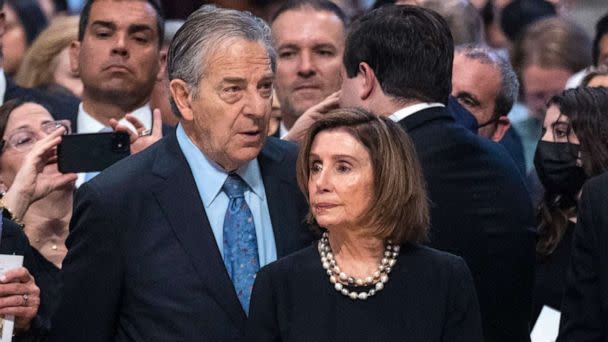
x,y
309,57
486,85
398,63
165,244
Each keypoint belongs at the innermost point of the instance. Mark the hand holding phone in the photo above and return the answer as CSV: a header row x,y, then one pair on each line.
x,y
91,152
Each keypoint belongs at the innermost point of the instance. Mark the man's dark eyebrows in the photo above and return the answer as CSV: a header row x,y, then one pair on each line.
x,y
139,28
105,24
291,46
325,46
233,79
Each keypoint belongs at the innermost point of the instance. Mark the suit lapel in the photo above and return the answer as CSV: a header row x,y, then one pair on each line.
x,y
284,200
180,202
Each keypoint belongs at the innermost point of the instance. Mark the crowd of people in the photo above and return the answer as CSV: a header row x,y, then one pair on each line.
x,y
420,170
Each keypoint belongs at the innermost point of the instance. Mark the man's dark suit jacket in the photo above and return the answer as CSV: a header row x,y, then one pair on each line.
x,y
58,106
481,211
585,305
142,262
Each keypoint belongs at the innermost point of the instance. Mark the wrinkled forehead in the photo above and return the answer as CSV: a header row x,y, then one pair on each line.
x,y
238,55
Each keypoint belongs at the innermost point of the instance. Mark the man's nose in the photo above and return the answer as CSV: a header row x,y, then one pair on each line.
x,y
306,67
120,45
257,105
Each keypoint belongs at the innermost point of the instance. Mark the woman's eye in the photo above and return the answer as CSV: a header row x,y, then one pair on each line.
x,y
315,167
560,133
25,140
343,168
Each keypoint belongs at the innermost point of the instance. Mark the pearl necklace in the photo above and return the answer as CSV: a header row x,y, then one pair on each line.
x,y
341,279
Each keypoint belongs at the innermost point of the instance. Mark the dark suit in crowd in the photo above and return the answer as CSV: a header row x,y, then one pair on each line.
x,y
585,304
142,255
481,211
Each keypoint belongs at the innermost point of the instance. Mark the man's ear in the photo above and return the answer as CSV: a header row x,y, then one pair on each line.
x,y
502,125
181,97
74,53
367,81
162,67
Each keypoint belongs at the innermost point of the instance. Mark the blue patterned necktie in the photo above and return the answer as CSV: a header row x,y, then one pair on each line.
x,y
240,241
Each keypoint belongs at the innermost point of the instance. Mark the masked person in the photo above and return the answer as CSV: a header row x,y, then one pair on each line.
x,y
573,147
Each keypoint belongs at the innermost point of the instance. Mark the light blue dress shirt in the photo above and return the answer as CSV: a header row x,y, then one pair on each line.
x,y
209,178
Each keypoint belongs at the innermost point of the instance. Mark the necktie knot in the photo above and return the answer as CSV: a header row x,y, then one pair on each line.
x,y
234,186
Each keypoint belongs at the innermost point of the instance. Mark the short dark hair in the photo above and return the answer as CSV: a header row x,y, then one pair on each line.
x,y
601,29
318,5
409,48
31,17
160,21
400,208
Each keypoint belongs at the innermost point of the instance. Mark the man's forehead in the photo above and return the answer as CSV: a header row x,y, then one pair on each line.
x,y
312,24
125,12
232,56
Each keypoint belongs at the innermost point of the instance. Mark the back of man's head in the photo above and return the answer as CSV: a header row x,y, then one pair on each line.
x,y
409,48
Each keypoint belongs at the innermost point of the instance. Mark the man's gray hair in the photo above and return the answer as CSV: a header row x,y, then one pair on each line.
x,y
205,30
509,85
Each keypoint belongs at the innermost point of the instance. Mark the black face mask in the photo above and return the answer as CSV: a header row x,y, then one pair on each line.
x,y
557,168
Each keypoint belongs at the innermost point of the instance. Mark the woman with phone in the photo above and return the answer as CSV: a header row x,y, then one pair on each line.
x,y
36,195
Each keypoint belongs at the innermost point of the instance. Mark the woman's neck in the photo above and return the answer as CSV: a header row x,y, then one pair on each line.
x,y
357,252
46,225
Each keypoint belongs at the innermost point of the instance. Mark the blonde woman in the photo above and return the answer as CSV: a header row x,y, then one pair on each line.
x,y
46,64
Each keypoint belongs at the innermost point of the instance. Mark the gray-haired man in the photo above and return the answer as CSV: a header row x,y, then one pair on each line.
x,y
154,252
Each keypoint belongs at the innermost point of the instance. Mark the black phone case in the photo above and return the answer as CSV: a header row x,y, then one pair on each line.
x,y
91,152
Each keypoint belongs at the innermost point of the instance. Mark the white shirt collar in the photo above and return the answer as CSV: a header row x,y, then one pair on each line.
x,y
2,86
409,110
282,129
87,124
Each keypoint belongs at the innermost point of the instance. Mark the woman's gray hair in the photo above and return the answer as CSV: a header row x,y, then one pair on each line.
x,y
204,31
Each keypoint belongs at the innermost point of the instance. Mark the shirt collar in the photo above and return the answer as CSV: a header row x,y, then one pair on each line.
x,y
210,177
409,110
88,124
283,131
2,86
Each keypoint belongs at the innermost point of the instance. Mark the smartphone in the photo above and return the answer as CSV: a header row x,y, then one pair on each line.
x,y
91,152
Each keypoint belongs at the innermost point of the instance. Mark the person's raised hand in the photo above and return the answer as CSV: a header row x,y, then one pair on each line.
x,y
141,138
312,114
27,186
